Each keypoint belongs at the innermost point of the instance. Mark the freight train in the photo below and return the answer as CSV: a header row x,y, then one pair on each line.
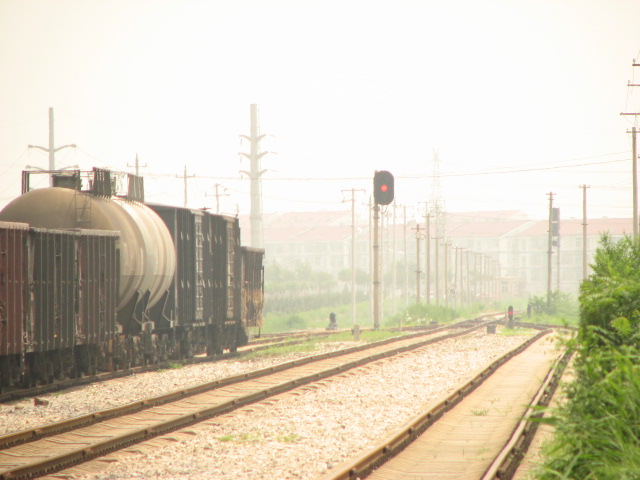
x,y
93,279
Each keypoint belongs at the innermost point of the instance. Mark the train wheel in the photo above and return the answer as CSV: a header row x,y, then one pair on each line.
x,y
164,348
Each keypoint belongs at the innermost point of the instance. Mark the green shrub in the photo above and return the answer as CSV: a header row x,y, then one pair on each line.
x,y
598,428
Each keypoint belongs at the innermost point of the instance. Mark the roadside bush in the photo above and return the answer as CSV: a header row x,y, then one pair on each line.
x,y
598,428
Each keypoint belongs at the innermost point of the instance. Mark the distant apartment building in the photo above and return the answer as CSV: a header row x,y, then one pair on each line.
x,y
516,244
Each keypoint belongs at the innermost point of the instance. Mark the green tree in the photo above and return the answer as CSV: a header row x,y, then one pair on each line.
x,y
610,297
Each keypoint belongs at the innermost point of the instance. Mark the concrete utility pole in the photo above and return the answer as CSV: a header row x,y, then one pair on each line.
x,y
457,299
52,149
584,231
437,272
185,177
394,266
467,289
371,253
353,252
406,259
549,251
376,267
427,258
136,165
218,195
446,274
634,161
418,272
556,219
254,174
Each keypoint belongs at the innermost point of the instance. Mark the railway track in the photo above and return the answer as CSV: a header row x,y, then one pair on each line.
x,y
47,449
270,341
481,431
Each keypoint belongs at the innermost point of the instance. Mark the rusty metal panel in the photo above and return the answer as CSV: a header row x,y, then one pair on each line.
x,y
13,286
98,286
186,271
222,268
253,286
186,294
54,285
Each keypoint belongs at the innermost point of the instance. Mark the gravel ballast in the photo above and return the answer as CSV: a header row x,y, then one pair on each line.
x,y
296,435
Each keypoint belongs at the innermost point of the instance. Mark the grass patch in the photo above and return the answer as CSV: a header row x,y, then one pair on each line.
x,y
242,438
511,332
172,366
311,345
275,351
290,438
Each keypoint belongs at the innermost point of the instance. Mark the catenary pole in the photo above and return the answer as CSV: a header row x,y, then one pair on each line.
x,y
52,148
549,251
584,231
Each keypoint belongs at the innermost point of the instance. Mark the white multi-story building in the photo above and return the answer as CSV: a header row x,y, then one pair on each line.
x,y
516,244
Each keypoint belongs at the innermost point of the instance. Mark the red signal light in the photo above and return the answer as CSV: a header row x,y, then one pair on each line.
x,y
383,187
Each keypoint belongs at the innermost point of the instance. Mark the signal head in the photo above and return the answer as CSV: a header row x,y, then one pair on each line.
x,y
383,187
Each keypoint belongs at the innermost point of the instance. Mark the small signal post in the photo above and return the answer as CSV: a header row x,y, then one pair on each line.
x,y
383,194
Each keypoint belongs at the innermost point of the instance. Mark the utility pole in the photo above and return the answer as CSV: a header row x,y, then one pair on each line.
x,y
254,174
136,165
556,213
376,267
634,161
418,272
371,253
52,149
481,277
218,195
394,267
427,259
184,178
457,278
467,290
353,253
446,274
584,231
406,259
475,277
437,272
549,251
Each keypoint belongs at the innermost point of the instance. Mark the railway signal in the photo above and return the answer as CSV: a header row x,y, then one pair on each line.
x,y
383,187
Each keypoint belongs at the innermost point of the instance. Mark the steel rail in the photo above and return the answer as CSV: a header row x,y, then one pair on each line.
x,y
135,435
262,344
364,464
268,341
36,433
510,457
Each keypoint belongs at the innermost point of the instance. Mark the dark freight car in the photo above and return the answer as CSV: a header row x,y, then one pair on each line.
x,y
94,279
253,286
73,276
52,278
98,273
13,287
221,249
184,301
58,301
222,271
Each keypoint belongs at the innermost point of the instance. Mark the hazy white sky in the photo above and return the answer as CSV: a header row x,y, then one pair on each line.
x,y
343,87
